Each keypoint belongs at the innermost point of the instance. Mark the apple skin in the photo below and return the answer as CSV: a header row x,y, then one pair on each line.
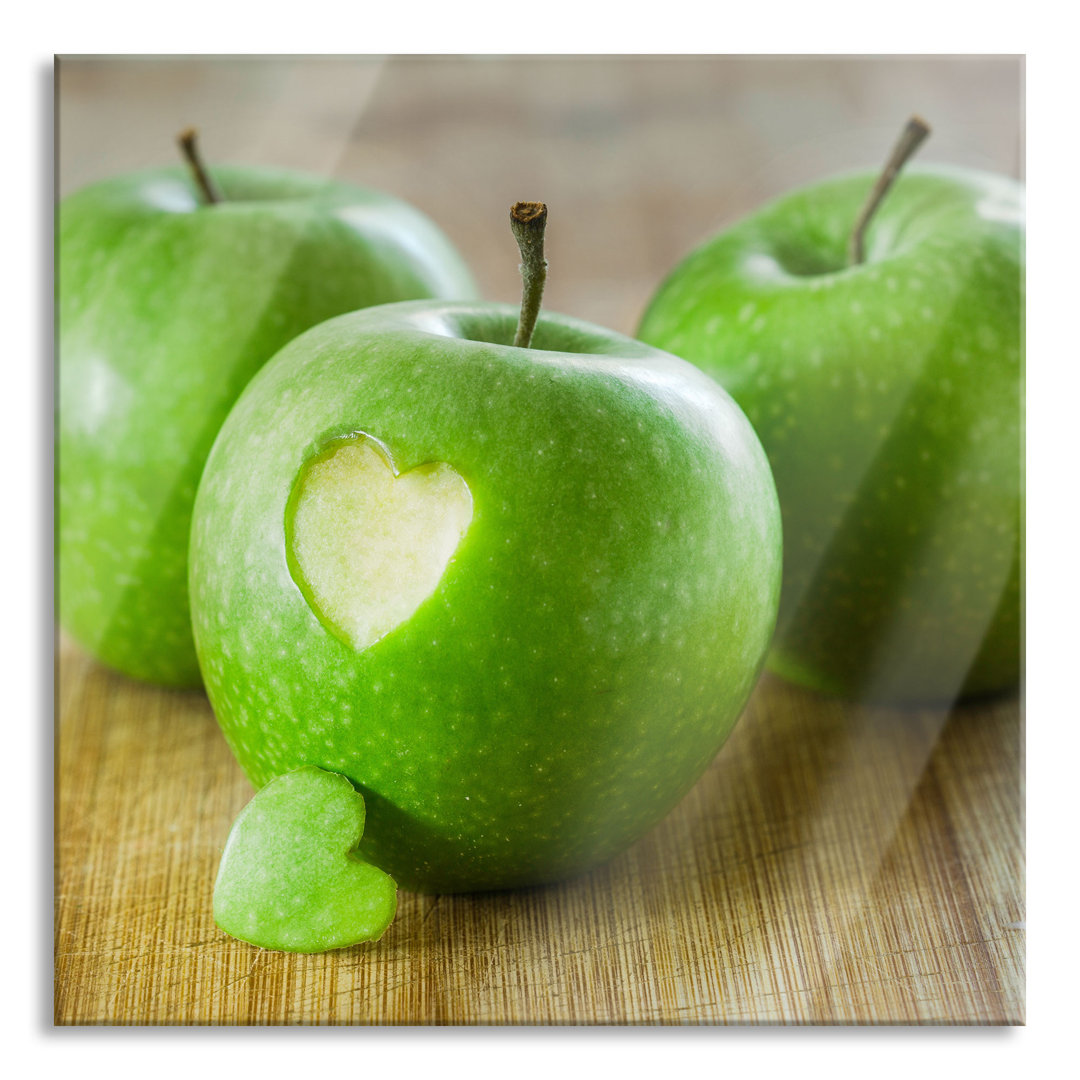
x,y
593,639
288,879
166,309
888,397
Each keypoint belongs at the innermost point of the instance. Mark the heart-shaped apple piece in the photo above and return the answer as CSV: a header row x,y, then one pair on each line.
x,y
289,878
366,545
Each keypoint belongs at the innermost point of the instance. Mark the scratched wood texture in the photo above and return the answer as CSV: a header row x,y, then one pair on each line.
x,y
836,864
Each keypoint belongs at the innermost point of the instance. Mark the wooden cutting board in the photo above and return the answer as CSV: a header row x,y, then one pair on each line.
x,y
835,864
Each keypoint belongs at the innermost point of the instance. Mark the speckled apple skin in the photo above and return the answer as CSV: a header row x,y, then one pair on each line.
x,y
289,878
166,309
889,399
594,638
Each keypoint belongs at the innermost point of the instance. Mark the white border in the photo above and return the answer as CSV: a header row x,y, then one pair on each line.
x,y
318,27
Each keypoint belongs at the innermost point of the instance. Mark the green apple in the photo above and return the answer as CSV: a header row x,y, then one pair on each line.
x,y
289,877
887,393
167,306
518,595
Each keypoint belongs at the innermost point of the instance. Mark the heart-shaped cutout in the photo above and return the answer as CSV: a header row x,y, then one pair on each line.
x,y
366,545
289,878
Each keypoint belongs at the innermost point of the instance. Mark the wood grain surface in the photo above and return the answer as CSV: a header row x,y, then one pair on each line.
x,y
836,864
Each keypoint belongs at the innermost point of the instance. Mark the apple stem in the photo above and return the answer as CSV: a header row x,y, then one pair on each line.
x,y
528,221
910,140
205,183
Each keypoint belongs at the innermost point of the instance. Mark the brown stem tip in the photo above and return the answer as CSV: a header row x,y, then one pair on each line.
x,y
187,140
911,138
526,212
528,221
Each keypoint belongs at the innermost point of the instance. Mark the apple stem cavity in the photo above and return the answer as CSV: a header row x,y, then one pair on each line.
x,y
210,192
911,138
528,221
